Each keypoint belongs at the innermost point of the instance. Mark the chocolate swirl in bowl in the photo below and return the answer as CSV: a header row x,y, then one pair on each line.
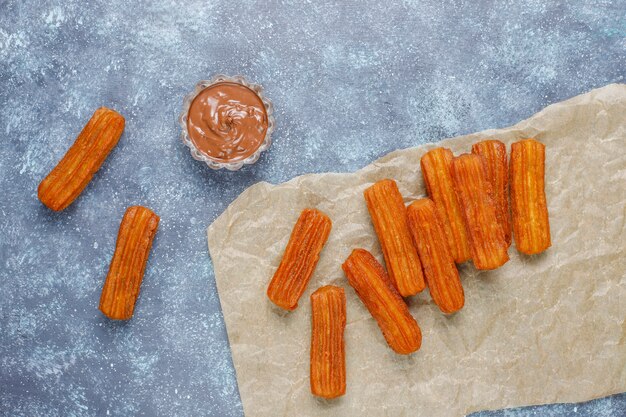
x,y
227,121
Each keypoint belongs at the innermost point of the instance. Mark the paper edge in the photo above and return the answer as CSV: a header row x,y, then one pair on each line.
x,y
595,94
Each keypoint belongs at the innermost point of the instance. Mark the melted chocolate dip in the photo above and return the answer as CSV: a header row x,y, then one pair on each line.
x,y
227,121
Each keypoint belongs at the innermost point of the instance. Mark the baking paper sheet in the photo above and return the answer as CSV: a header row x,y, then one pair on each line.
x,y
542,329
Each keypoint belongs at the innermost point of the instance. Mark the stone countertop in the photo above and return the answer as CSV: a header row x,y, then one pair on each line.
x,y
350,81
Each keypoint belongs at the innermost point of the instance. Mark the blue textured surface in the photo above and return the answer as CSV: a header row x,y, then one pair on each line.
x,y
350,81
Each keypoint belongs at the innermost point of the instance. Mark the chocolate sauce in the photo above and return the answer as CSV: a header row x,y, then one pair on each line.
x,y
227,121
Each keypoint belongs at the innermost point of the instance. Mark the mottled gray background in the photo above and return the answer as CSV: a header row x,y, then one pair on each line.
x,y
350,81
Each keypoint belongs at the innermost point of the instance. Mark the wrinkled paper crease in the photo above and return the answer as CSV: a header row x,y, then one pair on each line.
x,y
542,329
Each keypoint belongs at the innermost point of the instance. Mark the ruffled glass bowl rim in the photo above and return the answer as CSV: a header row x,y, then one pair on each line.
x,y
214,163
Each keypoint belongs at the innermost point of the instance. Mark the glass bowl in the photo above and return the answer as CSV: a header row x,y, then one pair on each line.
x,y
212,162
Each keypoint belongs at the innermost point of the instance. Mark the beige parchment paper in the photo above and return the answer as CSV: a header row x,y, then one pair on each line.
x,y
542,329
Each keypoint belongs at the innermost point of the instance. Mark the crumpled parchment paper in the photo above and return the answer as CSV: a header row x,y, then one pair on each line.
x,y
542,329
